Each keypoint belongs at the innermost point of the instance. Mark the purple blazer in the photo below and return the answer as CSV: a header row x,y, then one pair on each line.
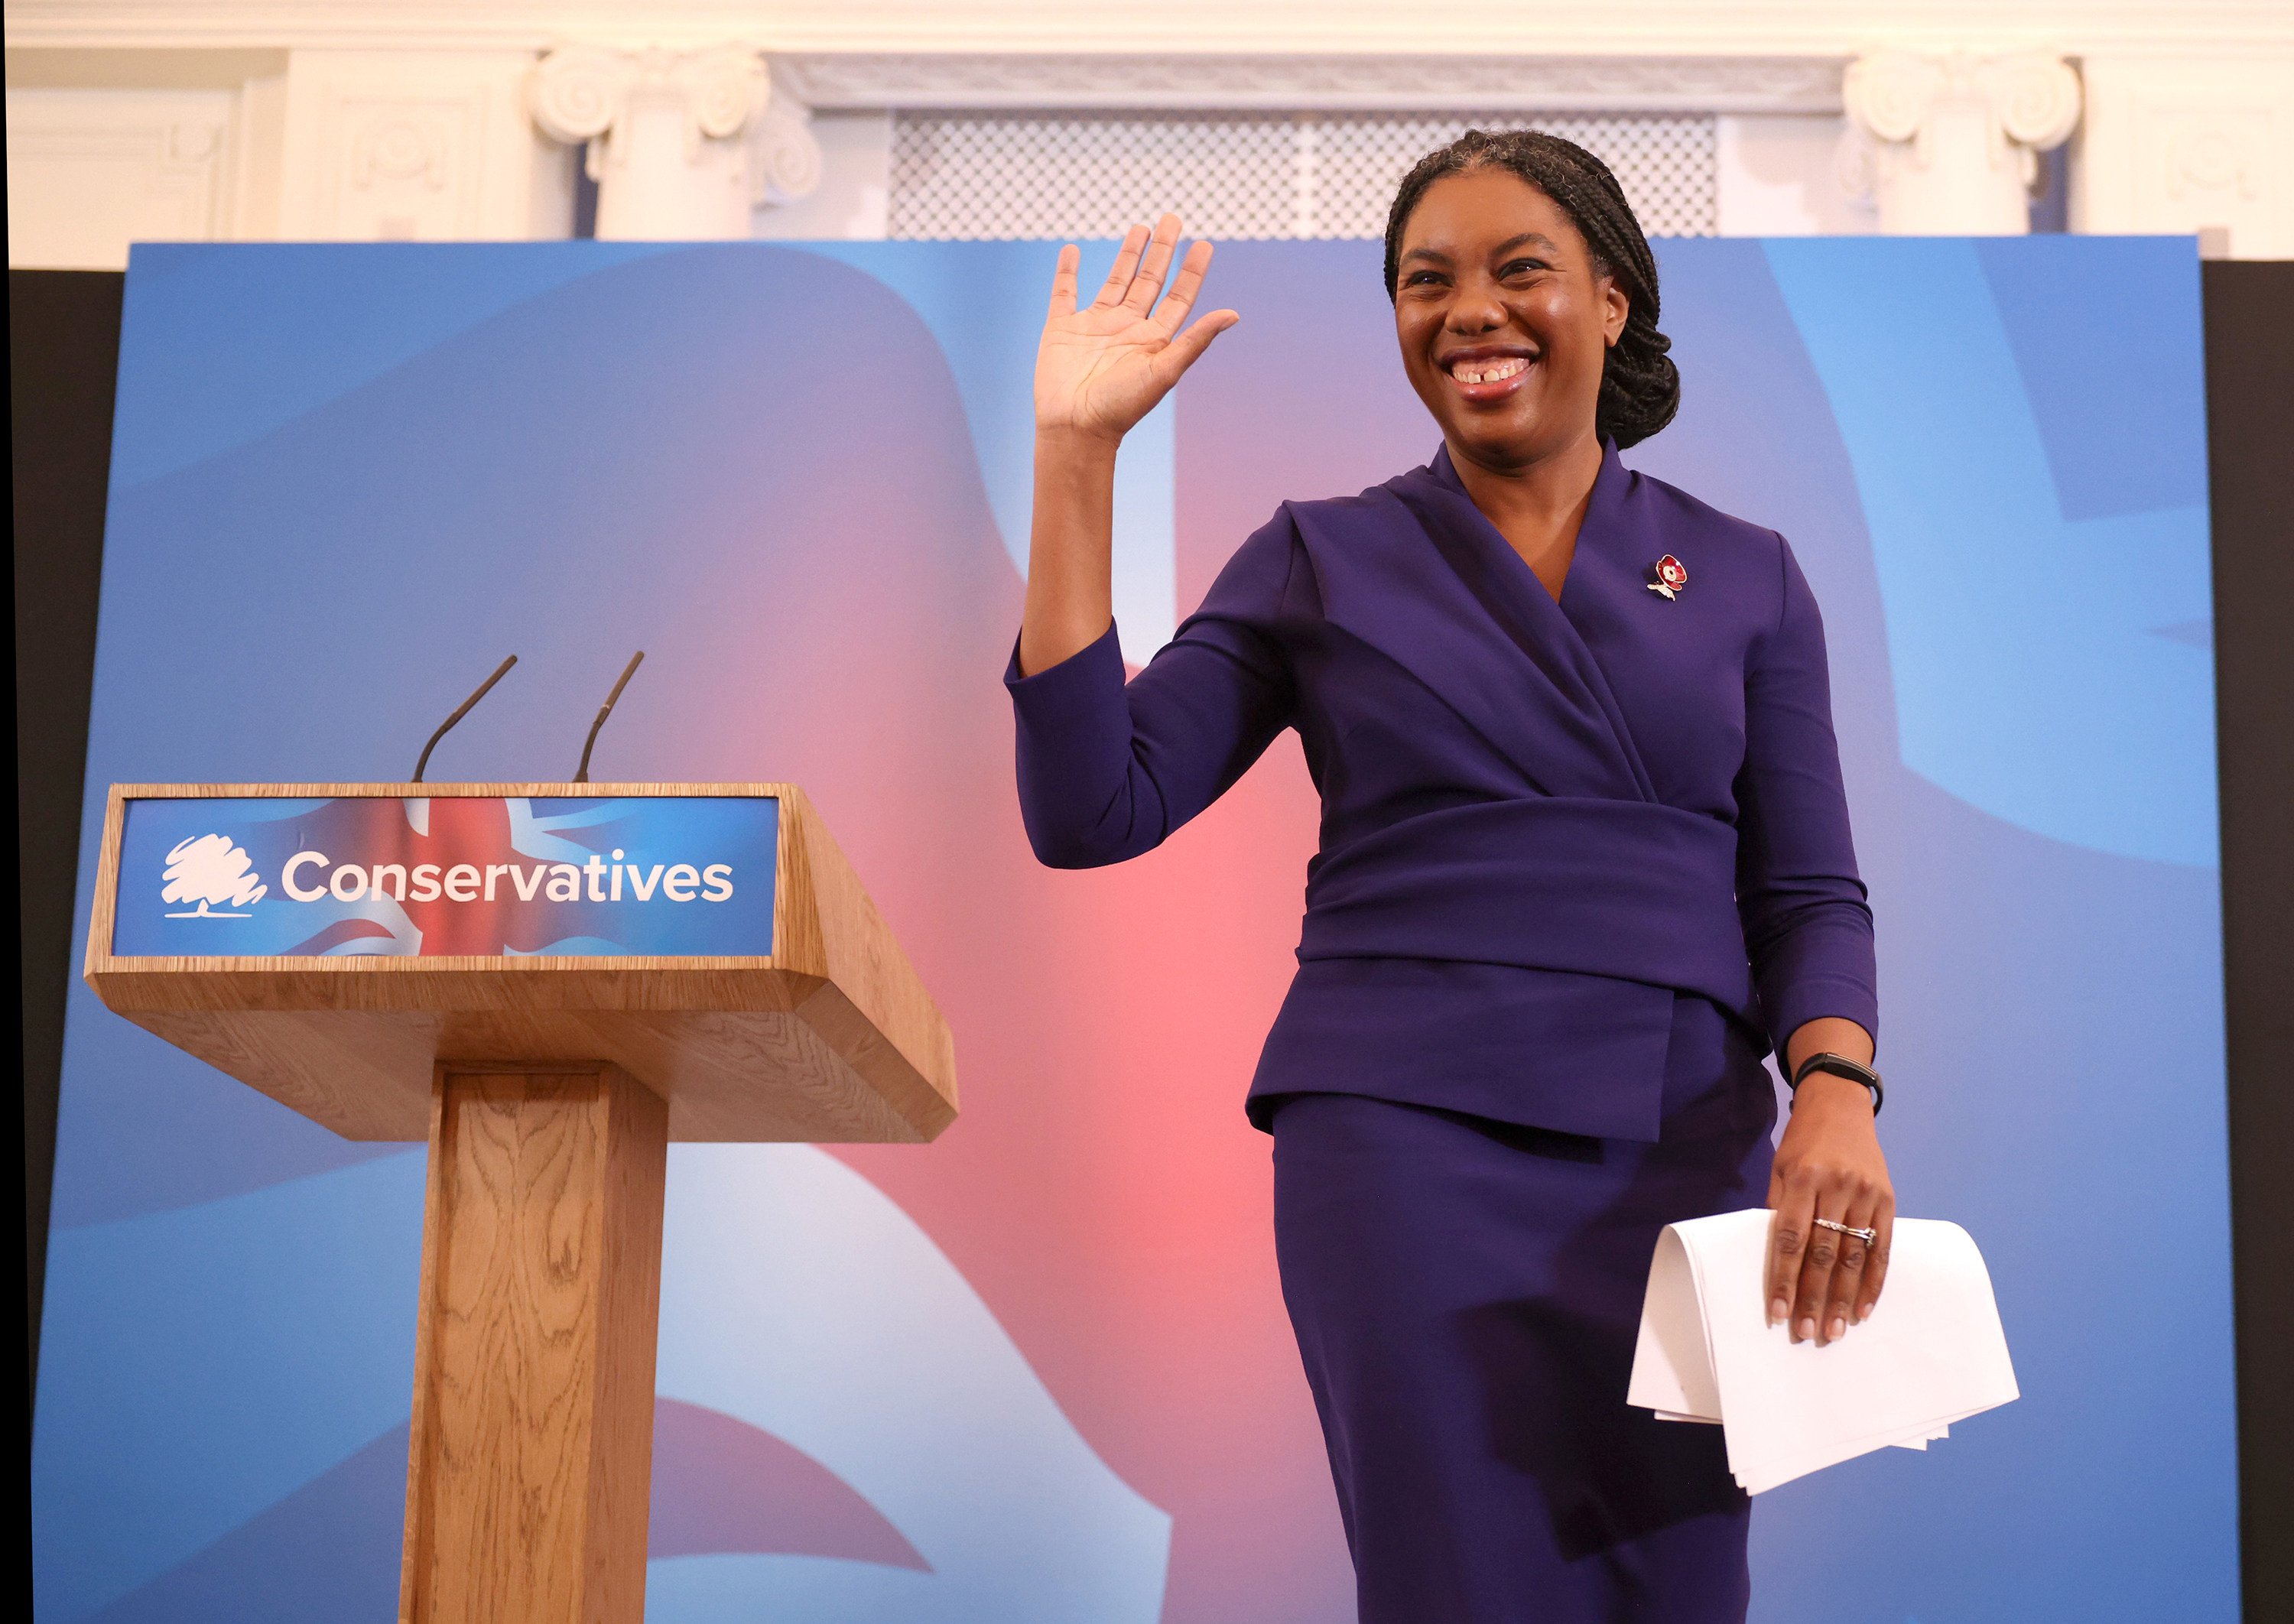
x,y
1582,863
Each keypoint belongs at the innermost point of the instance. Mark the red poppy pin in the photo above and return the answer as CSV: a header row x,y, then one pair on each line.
x,y
1668,579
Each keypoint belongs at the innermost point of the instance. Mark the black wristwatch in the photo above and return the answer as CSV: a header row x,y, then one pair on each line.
x,y
1840,1066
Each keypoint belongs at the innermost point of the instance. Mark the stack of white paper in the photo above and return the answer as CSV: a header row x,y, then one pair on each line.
x,y
1932,1353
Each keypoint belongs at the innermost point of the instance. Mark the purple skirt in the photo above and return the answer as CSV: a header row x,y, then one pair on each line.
x,y
1466,1294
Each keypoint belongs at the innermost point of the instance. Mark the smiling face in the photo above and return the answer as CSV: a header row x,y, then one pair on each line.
x,y
1505,319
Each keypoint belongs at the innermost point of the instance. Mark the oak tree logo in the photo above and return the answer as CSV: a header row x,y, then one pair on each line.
x,y
207,869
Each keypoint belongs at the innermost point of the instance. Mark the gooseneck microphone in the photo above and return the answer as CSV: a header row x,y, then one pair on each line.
x,y
581,772
460,712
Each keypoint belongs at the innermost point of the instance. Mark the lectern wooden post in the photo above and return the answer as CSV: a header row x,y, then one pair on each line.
x,y
552,982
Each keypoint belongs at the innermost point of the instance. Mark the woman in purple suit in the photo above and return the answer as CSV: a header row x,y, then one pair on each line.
x,y
1585,861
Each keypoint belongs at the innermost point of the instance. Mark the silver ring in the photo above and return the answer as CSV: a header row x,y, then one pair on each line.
x,y
1868,1237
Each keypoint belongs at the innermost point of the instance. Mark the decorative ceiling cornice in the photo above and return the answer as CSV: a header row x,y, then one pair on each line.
x,y
1829,29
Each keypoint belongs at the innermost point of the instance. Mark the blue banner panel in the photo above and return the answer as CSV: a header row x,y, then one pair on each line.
x,y
435,876
1041,1373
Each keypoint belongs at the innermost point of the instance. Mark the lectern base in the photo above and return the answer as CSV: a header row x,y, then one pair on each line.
x,y
531,1466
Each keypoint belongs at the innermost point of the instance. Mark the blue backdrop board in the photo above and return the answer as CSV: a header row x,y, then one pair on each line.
x,y
1038,1370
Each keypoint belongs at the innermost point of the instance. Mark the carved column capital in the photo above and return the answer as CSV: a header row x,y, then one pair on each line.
x,y
681,144
1949,144
577,93
783,153
2035,97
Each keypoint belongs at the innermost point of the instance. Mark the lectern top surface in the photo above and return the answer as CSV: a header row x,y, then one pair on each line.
x,y
443,871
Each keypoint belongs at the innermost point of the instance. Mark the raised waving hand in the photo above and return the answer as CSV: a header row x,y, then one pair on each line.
x,y
1098,369
1102,368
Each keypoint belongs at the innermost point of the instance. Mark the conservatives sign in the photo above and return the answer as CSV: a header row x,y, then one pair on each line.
x,y
430,876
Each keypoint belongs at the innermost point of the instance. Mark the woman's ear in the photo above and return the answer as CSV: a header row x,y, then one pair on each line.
x,y
1614,308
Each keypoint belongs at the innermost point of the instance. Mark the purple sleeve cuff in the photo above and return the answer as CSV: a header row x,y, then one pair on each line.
x,y
1069,692
1824,967
1080,797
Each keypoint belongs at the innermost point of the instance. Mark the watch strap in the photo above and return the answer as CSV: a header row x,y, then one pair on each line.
x,y
1841,1065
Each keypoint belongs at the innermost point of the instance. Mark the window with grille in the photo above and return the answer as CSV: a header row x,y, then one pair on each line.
x,y
968,175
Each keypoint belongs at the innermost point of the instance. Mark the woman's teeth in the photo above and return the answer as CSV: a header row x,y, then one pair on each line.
x,y
1488,371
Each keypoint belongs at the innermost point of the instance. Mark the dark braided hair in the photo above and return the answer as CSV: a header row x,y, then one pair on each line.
x,y
1640,387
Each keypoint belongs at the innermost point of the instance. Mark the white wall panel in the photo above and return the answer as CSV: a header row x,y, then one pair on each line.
x,y
91,171
1778,175
418,145
2182,144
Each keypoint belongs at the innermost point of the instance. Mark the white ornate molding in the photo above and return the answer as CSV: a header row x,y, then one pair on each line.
x,y
2189,146
2189,122
428,146
1365,27
682,143
784,156
1949,145
584,93
577,94
89,174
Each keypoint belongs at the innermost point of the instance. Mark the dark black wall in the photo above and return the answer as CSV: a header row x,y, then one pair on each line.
x,y
63,355
63,352
2249,313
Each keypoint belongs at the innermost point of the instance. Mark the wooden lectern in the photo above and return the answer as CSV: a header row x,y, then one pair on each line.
x,y
295,936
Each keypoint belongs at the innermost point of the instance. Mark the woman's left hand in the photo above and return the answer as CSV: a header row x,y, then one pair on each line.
x,y
1829,1165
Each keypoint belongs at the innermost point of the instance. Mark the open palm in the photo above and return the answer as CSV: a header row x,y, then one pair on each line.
x,y
1100,368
